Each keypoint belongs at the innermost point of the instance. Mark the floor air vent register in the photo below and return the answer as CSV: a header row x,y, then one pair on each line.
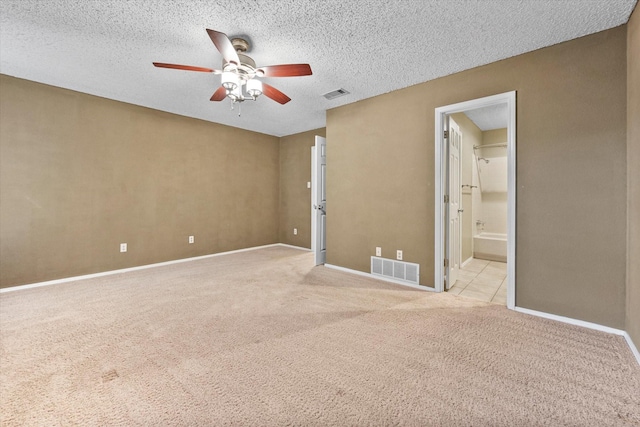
x,y
407,272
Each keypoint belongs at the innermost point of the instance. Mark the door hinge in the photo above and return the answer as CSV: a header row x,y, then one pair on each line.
x,y
446,134
446,262
446,198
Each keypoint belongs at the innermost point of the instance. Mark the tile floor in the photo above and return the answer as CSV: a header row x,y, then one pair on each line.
x,y
483,280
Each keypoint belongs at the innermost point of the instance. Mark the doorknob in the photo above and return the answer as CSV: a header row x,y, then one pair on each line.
x,y
460,210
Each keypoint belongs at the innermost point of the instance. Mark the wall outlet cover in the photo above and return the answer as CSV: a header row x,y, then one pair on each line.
x,y
123,247
191,239
378,251
399,255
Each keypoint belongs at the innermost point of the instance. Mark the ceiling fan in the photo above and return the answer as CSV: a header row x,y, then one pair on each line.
x,y
239,73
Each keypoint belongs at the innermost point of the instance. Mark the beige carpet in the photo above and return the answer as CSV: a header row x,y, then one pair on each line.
x,y
263,338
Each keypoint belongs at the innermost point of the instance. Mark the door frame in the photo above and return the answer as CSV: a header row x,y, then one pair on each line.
x,y
316,229
441,114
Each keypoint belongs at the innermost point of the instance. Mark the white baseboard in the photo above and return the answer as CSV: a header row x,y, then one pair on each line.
x,y
464,264
584,324
632,346
571,321
141,267
382,279
293,247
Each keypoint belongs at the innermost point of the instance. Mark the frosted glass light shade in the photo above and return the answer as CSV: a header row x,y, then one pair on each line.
x,y
236,94
254,88
229,80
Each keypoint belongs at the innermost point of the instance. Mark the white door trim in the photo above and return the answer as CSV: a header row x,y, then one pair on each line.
x,y
318,204
440,114
314,230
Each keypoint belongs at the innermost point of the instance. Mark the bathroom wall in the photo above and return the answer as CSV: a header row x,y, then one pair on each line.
x,y
489,208
477,223
493,177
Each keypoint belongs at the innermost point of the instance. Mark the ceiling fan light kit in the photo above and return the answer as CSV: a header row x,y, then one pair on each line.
x,y
230,80
254,88
239,75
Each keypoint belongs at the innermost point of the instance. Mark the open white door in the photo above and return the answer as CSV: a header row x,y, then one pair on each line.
x,y
453,236
319,200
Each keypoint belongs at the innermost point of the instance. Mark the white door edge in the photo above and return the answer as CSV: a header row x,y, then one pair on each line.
x,y
318,200
314,231
439,250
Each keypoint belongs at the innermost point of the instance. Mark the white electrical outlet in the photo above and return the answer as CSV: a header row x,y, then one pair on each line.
x,y
378,251
308,184
123,247
399,255
295,231
191,239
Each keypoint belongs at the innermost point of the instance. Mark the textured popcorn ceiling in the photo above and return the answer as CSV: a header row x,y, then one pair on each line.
x,y
490,118
367,47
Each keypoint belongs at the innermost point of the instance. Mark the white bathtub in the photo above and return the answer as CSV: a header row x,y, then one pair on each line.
x,y
490,246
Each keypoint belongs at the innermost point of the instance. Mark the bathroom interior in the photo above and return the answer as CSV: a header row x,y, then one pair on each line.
x,y
483,272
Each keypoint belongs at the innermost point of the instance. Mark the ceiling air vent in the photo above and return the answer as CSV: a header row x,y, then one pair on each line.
x,y
336,94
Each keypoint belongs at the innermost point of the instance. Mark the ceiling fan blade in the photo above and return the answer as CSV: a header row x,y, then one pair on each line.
x,y
184,67
273,93
286,70
223,44
219,94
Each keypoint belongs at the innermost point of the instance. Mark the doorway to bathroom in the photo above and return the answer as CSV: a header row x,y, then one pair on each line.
x,y
475,199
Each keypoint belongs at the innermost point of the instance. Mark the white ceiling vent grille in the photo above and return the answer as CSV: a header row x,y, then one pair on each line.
x,y
397,270
336,94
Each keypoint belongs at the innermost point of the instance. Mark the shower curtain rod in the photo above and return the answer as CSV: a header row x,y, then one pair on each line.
x,y
499,144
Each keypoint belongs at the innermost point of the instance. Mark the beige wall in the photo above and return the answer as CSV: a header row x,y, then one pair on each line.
x,y
571,174
295,197
81,174
633,177
495,136
494,203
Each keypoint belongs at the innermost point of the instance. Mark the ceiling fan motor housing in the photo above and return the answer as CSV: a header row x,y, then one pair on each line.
x,y
246,70
246,61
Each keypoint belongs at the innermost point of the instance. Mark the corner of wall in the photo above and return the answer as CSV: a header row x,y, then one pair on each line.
x,y
295,198
632,314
